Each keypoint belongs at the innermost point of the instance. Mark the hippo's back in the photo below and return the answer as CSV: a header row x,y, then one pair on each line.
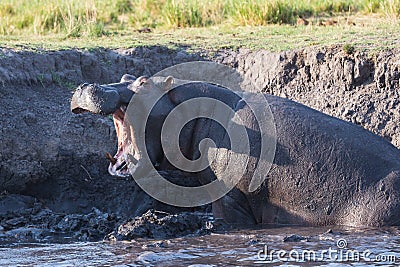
x,y
329,171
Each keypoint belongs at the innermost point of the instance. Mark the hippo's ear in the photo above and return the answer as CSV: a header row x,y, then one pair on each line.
x,y
173,95
168,83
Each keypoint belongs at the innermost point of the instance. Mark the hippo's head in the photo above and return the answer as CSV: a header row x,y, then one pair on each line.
x,y
113,99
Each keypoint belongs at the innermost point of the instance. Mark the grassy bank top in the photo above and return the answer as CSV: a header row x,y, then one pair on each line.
x,y
212,24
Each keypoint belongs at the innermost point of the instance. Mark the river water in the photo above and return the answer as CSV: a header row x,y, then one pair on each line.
x,y
304,246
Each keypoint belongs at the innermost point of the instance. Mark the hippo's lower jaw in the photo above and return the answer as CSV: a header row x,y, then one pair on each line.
x,y
125,164
120,167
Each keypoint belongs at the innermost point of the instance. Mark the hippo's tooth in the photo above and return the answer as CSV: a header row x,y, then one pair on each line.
x,y
120,167
111,158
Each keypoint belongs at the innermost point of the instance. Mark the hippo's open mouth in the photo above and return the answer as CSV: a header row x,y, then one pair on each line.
x,y
111,99
125,161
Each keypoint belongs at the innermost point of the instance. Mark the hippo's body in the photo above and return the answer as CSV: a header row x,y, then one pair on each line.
x,y
326,171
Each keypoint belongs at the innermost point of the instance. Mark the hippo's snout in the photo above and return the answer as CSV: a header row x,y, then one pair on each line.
x,y
100,99
95,99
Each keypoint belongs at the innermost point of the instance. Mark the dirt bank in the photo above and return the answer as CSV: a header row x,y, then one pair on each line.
x,y
54,160
359,88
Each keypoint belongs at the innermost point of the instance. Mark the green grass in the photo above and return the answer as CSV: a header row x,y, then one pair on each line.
x,y
76,18
348,49
209,24
365,35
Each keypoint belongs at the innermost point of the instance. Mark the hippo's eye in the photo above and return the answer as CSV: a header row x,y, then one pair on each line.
x,y
139,82
142,81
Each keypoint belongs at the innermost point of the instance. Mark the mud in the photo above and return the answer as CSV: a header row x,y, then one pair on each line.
x,y
162,225
53,170
25,219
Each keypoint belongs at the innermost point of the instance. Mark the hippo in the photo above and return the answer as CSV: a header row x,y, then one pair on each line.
x,y
325,171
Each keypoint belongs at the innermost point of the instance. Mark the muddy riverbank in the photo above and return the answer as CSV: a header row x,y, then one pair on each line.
x,y
53,172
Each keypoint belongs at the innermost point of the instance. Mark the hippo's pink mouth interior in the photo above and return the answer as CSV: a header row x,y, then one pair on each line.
x,y
119,162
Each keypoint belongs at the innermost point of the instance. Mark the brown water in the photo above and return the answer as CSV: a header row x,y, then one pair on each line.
x,y
339,247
